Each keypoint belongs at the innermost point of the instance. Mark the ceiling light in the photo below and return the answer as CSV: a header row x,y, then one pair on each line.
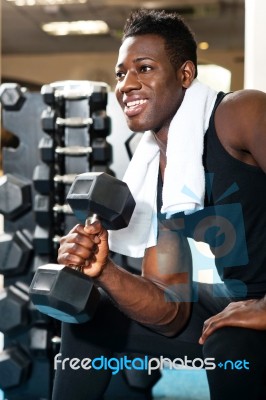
x,y
45,2
203,45
64,28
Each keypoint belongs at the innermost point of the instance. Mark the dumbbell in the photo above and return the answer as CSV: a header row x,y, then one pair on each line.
x,y
45,212
45,241
96,92
102,168
62,292
100,123
17,313
15,367
100,150
15,196
15,252
12,96
14,306
43,179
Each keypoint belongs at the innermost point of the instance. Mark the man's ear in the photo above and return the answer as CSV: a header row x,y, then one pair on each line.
x,y
188,71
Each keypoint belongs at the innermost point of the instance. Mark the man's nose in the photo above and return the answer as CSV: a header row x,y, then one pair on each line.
x,y
130,82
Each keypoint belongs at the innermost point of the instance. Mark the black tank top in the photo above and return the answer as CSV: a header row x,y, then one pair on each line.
x,y
237,193
233,221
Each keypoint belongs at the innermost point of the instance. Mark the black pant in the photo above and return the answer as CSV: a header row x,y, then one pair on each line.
x,y
112,332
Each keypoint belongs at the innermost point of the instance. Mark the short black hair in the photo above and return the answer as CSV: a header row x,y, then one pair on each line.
x,y
180,42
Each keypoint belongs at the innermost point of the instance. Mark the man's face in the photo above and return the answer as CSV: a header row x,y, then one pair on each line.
x,y
148,89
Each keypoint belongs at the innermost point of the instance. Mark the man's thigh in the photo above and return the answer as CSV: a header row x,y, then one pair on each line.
x,y
112,330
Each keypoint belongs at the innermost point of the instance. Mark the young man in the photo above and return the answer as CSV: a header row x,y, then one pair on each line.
x,y
162,312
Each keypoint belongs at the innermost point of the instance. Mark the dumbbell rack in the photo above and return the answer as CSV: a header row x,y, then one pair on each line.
x,y
61,131
73,121
53,129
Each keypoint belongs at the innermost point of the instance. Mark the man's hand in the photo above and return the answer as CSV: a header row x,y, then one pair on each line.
x,y
85,246
245,314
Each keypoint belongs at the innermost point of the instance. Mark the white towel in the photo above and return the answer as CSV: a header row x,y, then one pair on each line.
x,y
184,183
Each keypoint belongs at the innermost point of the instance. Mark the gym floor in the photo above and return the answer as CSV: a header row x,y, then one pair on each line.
x,y
184,384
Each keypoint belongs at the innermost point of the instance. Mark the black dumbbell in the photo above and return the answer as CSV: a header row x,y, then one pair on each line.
x,y
101,124
98,100
47,92
48,120
40,341
49,150
45,211
44,180
15,252
15,196
15,367
100,150
62,292
50,224
14,308
11,96
102,168
102,195
44,240
96,92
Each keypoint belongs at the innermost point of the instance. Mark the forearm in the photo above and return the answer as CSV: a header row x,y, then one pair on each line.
x,y
144,300
160,298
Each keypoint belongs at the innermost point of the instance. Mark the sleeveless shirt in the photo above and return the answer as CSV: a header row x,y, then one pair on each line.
x,y
233,221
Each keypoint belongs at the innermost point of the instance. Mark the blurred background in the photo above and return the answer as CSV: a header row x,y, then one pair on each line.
x,y
50,50
35,50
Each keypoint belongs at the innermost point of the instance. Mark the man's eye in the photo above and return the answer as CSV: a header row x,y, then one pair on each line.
x,y
145,68
119,75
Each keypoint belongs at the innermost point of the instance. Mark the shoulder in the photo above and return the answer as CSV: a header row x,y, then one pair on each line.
x,y
240,122
248,103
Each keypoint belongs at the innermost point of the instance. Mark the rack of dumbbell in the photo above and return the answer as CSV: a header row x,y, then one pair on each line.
x,y
62,132
25,366
76,127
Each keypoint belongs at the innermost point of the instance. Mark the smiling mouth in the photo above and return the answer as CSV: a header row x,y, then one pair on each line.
x,y
135,103
133,108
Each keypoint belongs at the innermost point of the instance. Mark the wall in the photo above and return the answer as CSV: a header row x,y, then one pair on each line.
x,y
255,55
46,68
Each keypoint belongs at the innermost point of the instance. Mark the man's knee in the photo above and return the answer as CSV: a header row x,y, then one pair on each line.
x,y
236,344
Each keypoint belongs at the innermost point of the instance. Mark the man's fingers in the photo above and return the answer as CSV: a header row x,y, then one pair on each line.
x,y
208,328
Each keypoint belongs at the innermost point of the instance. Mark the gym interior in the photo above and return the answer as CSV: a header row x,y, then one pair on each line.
x,y
51,88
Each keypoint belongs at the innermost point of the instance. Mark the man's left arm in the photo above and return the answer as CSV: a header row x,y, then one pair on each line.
x,y
245,314
251,114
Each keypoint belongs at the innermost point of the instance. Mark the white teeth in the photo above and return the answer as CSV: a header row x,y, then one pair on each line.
x,y
135,103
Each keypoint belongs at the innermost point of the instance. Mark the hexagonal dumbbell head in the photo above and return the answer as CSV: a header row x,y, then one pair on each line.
x,y
15,196
101,194
47,92
15,252
53,291
14,312
11,96
14,368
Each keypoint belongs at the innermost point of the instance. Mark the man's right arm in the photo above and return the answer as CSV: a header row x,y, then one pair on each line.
x,y
160,297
